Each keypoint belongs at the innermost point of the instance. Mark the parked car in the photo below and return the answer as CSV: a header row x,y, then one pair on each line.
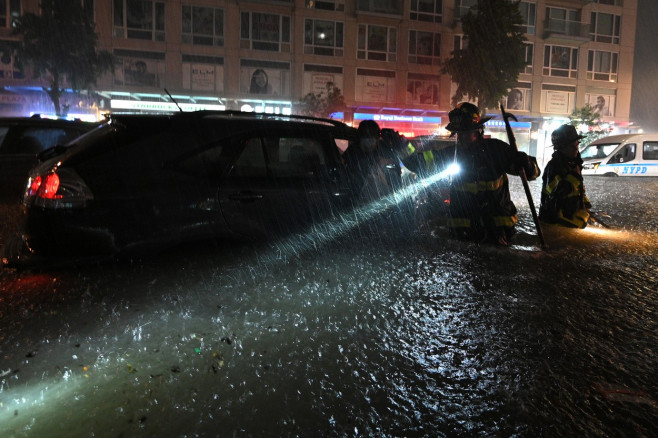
x,y
22,139
622,155
142,181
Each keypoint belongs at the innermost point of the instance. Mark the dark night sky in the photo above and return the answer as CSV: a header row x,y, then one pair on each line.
x,y
644,94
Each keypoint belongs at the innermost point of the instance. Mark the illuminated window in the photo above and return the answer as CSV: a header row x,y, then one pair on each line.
x,y
602,66
323,37
601,103
9,10
560,61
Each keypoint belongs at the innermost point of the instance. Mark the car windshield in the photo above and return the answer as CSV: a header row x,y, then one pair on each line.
x,y
598,150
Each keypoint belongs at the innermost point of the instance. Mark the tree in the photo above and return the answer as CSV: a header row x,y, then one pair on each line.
x,y
588,123
322,104
488,65
60,46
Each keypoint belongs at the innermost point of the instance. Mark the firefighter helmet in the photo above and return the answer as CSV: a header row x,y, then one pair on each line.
x,y
565,135
465,117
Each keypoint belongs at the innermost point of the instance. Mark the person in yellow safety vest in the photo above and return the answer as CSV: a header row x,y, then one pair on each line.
x,y
563,198
481,208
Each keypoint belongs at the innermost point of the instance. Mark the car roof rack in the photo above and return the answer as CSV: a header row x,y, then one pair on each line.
x,y
235,113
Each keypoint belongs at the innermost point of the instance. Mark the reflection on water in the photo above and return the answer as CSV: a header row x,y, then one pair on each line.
x,y
390,330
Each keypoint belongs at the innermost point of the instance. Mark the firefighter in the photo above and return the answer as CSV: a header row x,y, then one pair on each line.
x,y
481,208
563,198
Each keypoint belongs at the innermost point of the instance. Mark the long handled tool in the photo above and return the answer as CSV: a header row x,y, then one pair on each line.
x,y
524,178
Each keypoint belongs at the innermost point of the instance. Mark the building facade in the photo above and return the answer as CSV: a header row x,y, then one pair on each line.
x,y
385,56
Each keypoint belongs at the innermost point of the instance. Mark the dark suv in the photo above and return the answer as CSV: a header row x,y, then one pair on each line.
x,y
144,180
21,140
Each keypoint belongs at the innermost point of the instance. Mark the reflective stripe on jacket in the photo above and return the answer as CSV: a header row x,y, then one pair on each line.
x,y
563,198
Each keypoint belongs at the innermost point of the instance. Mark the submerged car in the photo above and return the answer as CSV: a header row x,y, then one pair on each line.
x,y
141,181
22,139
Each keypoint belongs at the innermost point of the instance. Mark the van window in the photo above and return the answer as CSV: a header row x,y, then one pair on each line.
x,y
598,150
650,150
624,155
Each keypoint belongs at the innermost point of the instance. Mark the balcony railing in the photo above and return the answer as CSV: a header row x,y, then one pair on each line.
x,y
565,29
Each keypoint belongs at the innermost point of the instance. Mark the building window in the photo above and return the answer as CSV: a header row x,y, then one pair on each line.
x,y
560,61
263,78
426,10
327,5
393,7
557,101
610,2
375,86
203,73
141,70
458,42
202,26
377,43
260,31
602,66
8,64
143,20
529,15
463,6
562,21
529,57
9,11
604,28
317,77
519,98
602,103
424,47
423,89
323,37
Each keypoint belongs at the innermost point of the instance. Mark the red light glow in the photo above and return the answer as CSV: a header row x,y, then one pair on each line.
x,y
34,186
50,187
45,187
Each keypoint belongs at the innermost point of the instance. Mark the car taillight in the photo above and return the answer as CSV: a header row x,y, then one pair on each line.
x,y
59,188
45,187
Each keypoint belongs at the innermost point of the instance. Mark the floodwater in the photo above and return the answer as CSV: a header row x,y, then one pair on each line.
x,y
386,330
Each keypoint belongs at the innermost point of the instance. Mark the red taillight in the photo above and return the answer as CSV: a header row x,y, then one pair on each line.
x,y
34,186
45,187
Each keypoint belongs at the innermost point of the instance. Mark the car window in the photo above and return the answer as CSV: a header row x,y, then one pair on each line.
x,y
598,150
650,150
3,134
297,157
627,153
33,140
251,162
208,162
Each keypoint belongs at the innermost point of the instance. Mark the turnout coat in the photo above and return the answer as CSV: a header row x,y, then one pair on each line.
x,y
480,202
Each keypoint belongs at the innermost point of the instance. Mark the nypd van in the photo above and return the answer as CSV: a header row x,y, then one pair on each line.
x,y
622,155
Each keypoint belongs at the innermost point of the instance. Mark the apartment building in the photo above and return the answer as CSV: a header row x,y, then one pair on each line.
x,y
385,56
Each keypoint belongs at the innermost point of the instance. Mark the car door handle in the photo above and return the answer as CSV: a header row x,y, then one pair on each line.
x,y
245,197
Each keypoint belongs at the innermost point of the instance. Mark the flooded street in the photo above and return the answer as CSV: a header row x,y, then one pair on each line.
x,y
385,330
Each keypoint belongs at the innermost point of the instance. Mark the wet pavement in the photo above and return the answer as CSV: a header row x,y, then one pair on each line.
x,y
386,329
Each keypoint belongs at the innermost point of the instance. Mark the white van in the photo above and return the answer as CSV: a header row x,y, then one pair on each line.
x,y
622,155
